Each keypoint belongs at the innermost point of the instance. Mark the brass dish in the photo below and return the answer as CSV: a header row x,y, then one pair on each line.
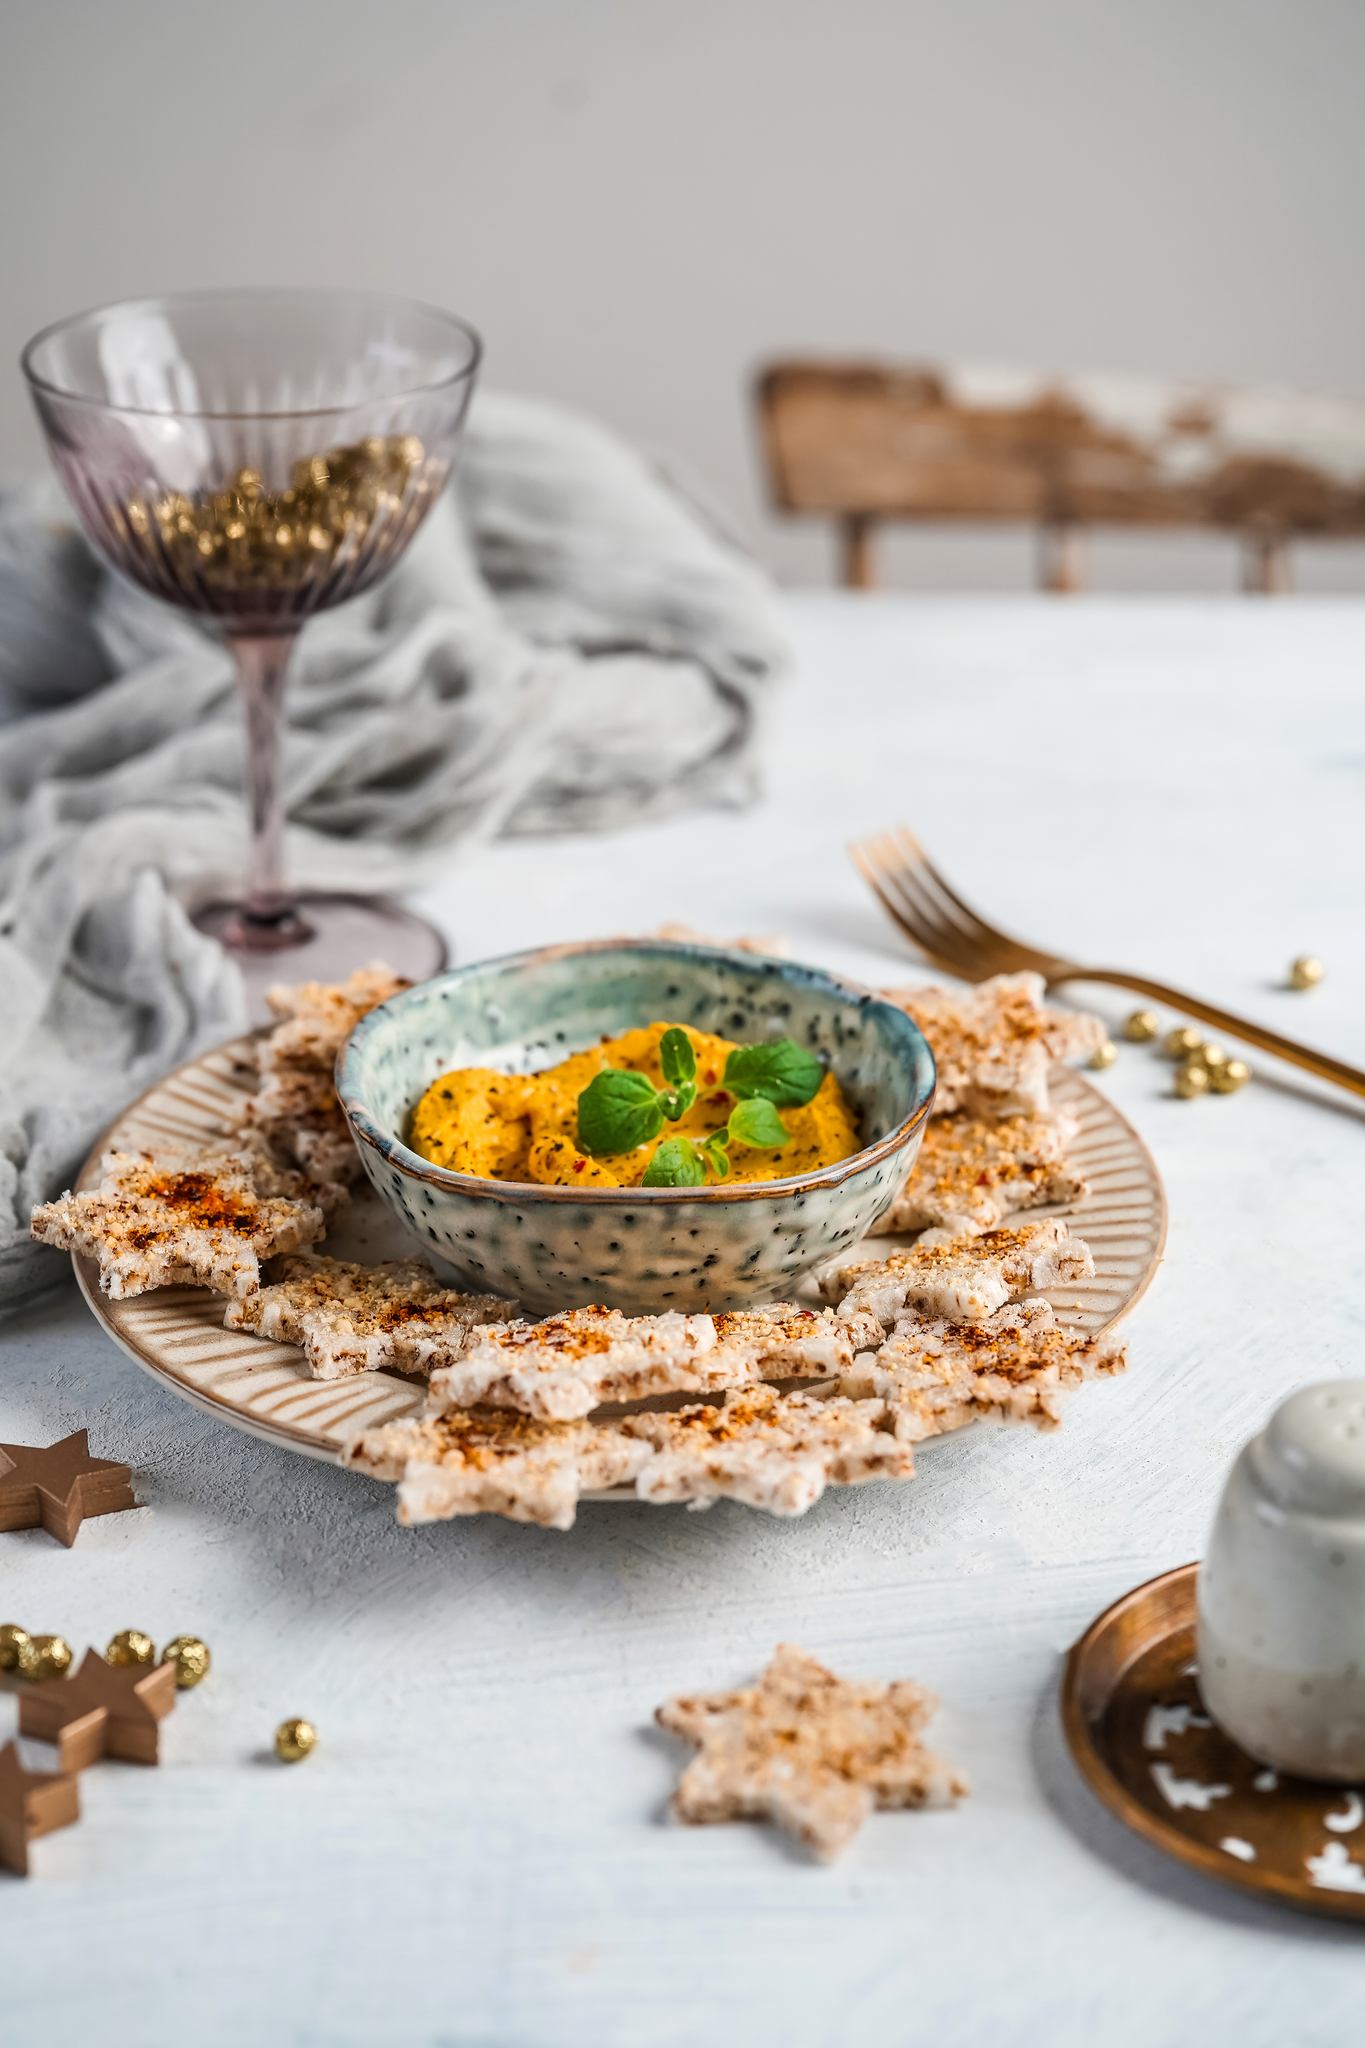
x,y
1135,1723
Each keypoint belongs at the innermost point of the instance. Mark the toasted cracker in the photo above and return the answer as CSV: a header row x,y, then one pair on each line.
x,y
1016,1366
351,1318
337,1006
172,1220
496,1463
963,1278
771,1450
993,1044
567,1365
973,1172
271,1176
296,1106
813,1752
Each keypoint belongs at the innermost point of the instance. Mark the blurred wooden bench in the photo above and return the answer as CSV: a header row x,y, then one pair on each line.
x,y
863,443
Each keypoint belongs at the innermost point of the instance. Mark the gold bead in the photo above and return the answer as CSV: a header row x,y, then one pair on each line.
x,y
1141,1026
1103,1056
44,1657
191,1659
1191,1079
130,1646
1184,1040
293,1740
13,1643
1228,1078
1213,1055
1306,972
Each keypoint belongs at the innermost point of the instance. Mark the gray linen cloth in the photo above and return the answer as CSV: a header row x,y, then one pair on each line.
x,y
571,642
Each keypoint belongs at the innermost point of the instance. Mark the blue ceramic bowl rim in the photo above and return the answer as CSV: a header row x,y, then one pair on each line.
x,y
394,1153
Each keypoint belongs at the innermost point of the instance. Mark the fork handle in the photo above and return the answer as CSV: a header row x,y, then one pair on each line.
x,y
1319,1063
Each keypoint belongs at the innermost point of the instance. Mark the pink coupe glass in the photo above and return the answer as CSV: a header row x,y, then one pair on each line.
x,y
254,456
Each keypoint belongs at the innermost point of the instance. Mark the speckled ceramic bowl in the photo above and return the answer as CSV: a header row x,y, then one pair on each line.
x,y
637,1249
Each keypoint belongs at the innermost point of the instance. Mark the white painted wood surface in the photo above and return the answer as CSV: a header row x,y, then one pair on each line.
x,y
476,1854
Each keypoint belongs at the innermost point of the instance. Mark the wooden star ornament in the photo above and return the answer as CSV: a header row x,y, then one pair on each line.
x,y
105,1710
32,1803
55,1489
813,1752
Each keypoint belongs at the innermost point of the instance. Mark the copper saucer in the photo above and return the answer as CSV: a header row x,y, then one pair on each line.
x,y
1136,1725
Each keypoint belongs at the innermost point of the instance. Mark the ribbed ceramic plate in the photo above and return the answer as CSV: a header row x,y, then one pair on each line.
x,y
1137,1728
177,1333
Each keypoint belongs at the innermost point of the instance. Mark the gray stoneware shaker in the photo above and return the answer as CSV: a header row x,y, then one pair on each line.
x,y
1282,1590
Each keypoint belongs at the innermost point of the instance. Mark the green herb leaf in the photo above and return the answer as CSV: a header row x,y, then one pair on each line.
x,y
617,1111
714,1148
676,1164
784,1073
676,1105
755,1122
677,1057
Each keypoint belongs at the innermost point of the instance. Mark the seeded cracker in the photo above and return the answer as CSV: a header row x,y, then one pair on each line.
x,y
972,1173
496,1463
993,1044
1016,1366
773,1451
813,1752
567,1365
296,1106
965,1278
169,1221
351,1318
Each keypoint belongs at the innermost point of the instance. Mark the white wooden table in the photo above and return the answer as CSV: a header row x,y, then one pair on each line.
x,y
477,1852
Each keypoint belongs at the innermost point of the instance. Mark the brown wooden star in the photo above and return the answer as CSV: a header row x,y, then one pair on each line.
x,y
105,1710
57,1488
32,1803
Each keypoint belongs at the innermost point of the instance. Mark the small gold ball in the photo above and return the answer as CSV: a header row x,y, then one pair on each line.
x,y
1191,1079
1306,972
44,1657
1104,1055
13,1643
294,1740
1213,1055
1141,1026
1228,1078
1184,1040
191,1660
130,1646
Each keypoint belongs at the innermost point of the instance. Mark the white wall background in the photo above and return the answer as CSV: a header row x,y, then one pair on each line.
x,y
639,200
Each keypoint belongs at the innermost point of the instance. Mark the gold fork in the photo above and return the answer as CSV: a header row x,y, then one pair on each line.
x,y
952,935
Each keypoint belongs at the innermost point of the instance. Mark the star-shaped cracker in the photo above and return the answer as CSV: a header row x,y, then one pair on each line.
x,y
993,1044
1015,1366
972,1173
495,1462
296,1106
57,1487
169,1220
105,1710
349,1318
567,1365
32,1803
965,1278
771,1450
813,1752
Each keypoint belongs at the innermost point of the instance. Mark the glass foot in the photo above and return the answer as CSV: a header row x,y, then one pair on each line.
x,y
324,939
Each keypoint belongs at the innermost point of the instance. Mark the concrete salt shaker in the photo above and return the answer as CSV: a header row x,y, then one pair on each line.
x,y
1282,1590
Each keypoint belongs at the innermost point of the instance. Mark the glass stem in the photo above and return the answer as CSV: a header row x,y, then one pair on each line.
x,y
262,660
